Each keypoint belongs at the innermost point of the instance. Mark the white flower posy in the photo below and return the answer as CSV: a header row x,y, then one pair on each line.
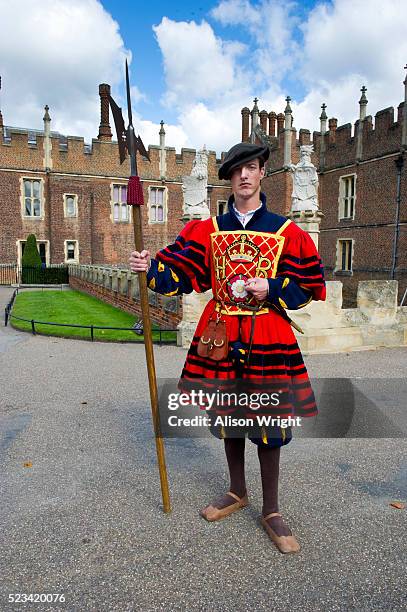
x,y
238,288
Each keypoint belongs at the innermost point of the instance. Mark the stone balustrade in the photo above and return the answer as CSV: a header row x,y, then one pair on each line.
x,y
120,287
377,321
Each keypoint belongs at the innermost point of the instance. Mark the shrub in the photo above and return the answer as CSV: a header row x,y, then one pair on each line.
x,y
31,261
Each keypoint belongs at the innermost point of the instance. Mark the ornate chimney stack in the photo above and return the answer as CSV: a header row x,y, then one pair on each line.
x,y
245,124
280,123
333,124
105,132
263,120
272,123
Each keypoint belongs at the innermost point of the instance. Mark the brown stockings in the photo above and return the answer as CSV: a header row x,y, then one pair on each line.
x,y
269,459
269,467
234,449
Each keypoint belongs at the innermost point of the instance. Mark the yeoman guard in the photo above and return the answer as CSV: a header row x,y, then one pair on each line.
x,y
258,265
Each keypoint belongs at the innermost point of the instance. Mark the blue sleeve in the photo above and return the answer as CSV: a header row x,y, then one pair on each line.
x,y
284,292
161,278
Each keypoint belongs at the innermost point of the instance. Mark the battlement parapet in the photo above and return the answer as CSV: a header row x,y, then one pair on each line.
x,y
342,145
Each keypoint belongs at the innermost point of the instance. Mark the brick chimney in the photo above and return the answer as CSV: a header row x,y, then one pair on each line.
x,y
263,120
105,132
280,123
245,124
272,123
332,124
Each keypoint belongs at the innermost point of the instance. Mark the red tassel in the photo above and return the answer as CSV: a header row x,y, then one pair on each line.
x,y
135,195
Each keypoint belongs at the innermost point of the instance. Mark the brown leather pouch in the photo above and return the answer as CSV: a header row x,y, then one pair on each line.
x,y
213,343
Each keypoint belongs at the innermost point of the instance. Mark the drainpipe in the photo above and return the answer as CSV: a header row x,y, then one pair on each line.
x,y
399,165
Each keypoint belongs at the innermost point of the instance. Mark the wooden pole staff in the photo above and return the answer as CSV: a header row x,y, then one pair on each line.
x,y
128,143
152,380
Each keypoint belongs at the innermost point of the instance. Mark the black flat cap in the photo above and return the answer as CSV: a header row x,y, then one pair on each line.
x,y
240,154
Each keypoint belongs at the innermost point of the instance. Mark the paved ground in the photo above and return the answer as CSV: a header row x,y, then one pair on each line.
x,y
85,519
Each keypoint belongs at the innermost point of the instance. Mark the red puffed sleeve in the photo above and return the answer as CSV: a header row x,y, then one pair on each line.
x,y
188,256
300,262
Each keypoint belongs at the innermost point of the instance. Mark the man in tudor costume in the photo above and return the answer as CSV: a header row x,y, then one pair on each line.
x,y
258,264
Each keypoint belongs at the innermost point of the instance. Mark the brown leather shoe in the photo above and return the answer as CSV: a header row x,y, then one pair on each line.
x,y
285,544
210,513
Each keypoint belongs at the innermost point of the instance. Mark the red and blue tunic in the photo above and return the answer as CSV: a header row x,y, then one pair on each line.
x,y
220,254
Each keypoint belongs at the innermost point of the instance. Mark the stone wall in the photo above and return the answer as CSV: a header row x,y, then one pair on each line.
x,y
376,322
328,328
120,288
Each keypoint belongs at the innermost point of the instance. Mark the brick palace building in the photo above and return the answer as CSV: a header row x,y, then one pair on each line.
x,y
362,174
71,195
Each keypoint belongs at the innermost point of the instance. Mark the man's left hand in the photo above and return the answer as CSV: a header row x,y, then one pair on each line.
x,y
258,287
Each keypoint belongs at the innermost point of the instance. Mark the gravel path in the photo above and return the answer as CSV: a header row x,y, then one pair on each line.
x,y
84,518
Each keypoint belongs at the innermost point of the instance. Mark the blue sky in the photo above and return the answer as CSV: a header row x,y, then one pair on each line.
x,y
136,27
196,66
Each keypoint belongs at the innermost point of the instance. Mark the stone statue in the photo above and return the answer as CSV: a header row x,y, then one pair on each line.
x,y
305,179
195,187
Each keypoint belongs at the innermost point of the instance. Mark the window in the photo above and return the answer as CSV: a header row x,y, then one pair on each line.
x,y
344,256
71,251
32,197
347,196
221,207
120,208
157,204
70,203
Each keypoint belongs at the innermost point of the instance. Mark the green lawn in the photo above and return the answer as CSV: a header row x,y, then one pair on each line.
x,y
75,308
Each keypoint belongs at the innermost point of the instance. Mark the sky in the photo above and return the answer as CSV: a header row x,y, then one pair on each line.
x,y
195,66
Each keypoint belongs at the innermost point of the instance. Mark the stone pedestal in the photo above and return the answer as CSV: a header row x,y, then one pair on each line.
x,y
309,221
192,307
377,300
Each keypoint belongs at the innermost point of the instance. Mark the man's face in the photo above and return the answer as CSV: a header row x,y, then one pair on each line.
x,y
245,179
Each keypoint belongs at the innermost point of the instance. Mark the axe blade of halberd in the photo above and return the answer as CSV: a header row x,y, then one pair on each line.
x,y
120,129
141,148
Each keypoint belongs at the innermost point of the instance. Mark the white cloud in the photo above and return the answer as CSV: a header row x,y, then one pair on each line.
x,y
217,128
137,95
56,52
237,12
336,48
347,46
198,66
175,136
271,24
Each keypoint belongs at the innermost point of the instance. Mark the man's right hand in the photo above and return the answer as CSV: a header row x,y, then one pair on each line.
x,y
140,262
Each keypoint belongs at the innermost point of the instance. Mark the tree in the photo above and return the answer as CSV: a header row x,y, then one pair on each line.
x,y
31,261
31,256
